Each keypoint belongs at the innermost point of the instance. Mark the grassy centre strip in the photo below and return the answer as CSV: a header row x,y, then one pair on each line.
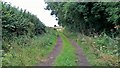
x,y
67,56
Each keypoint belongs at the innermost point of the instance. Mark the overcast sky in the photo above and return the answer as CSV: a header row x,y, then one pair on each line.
x,y
36,7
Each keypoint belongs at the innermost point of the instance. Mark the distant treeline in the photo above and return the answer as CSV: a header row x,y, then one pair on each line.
x,y
87,17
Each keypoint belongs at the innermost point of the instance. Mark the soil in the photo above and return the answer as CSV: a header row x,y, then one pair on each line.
x,y
82,60
49,61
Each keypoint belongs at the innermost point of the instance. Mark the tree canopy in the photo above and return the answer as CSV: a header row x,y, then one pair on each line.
x,y
87,17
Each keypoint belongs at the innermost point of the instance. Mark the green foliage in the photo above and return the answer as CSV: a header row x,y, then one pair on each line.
x,y
67,56
16,22
24,51
87,18
100,50
107,44
91,19
89,52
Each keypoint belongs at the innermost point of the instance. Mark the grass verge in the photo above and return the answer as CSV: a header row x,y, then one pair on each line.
x,y
26,51
67,56
99,50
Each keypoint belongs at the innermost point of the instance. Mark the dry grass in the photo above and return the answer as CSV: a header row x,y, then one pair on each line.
x,y
109,59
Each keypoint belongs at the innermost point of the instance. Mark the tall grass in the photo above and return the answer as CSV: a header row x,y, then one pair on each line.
x,y
100,50
25,51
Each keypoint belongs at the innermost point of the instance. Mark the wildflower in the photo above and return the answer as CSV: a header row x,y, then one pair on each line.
x,y
11,47
103,46
5,54
115,46
95,36
8,45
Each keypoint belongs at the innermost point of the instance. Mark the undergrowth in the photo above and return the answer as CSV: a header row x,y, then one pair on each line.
x,y
100,50
26,51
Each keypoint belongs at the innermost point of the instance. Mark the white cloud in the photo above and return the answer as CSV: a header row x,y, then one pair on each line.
x,y
36,7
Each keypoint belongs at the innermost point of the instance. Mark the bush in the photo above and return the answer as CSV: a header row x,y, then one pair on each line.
x,y
17,22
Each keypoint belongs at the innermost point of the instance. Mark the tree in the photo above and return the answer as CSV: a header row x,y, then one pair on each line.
x,y
89,17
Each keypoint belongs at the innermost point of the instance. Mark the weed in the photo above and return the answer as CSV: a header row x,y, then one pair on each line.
x,y
67,56
25,51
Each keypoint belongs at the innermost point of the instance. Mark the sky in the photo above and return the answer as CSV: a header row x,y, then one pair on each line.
x,y
36,7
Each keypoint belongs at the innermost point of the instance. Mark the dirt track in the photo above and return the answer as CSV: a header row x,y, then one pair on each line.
x,y
49,61
82,60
